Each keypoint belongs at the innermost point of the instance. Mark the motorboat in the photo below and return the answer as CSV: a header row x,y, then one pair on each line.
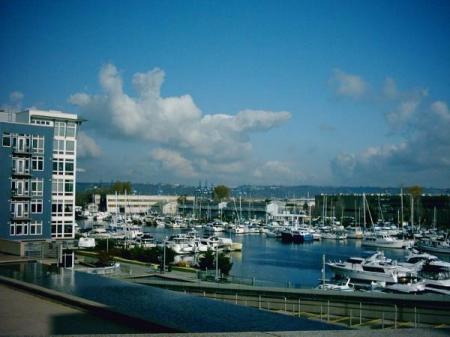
x,y
434,246
339,286
354,233
334,235
381,240
374,268
86,242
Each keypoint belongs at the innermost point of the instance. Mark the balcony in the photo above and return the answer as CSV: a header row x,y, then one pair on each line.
x,y
16,195
21,173
20,217
23,152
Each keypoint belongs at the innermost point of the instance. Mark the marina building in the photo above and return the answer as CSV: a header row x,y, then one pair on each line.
x,y
37,175
141,204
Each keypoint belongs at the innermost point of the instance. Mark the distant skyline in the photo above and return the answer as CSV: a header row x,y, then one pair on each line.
x,y
255,92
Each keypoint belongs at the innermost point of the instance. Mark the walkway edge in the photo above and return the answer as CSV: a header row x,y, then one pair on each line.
x,y
96,308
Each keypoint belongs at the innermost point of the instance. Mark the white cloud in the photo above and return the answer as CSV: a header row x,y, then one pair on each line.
x,y
16,96
87,147
423,156
347,84
403,114
175,124
172,160
441,110
390,88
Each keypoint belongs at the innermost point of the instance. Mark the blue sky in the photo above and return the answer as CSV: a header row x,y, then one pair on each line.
x,y
263,92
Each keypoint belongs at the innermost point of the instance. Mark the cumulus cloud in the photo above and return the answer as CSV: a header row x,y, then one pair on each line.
x,y
15,102
406,109
423,156
441,110
182,132
279,172
390,88
16,96
172,160
87,147
349,85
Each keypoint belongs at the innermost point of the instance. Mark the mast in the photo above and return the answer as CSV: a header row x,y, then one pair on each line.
x,y
412,213
364,210
401,205
434,217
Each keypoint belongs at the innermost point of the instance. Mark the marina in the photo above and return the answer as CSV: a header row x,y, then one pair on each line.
x,y
267,260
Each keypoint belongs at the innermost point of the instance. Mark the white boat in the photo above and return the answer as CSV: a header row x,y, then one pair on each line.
x,y
434,246
334,235
346,286
438,284
180,244
99,233
354,233
381,240
214,227
374,268
85,242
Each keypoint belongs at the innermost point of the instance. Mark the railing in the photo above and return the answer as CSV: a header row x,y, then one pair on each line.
x,y
357,312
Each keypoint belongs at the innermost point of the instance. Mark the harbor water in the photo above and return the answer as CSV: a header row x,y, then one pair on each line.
x,y
269,262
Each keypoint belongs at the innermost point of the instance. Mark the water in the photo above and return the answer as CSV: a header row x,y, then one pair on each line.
x,y
270,262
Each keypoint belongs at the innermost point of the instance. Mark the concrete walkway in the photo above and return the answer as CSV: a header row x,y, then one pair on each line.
x,y
22,313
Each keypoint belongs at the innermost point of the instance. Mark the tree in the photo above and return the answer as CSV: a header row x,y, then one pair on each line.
x,y
121,187
415,191
221,192
208,261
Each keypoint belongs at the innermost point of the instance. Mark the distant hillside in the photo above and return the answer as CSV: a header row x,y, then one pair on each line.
x,y
271,191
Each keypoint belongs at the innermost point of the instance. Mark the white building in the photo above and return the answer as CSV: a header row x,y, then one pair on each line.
x,y
64,166
139,204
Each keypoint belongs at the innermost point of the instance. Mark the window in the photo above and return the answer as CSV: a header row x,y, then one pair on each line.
x,y
21,166
21,144
37,187
57,208
60,129
68,187
70,130
70,147
21,228
58,187
38,144
36,228
36,206
58,166
20,187
37,163
58,146
20,209
6,139
69,167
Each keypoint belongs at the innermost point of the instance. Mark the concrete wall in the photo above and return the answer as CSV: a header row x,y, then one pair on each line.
x,y
12,247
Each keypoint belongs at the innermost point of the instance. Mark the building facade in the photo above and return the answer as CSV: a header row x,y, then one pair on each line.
x,y
43,148
25,181
139,204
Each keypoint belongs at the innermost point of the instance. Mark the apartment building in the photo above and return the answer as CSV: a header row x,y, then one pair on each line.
x,y
38,175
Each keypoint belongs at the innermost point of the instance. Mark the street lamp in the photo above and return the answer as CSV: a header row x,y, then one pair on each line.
x,y
217,263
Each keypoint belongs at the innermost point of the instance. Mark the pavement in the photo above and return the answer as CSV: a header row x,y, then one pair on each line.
x,y
26,314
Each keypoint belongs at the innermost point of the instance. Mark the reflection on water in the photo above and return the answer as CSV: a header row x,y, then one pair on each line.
x,y
171,311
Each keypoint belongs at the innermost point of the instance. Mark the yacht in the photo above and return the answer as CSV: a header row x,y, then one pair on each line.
x,y
374,268
354,233
334,235
381,240
434,246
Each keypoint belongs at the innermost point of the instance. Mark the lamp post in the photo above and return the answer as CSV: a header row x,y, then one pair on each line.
x,y
217,263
